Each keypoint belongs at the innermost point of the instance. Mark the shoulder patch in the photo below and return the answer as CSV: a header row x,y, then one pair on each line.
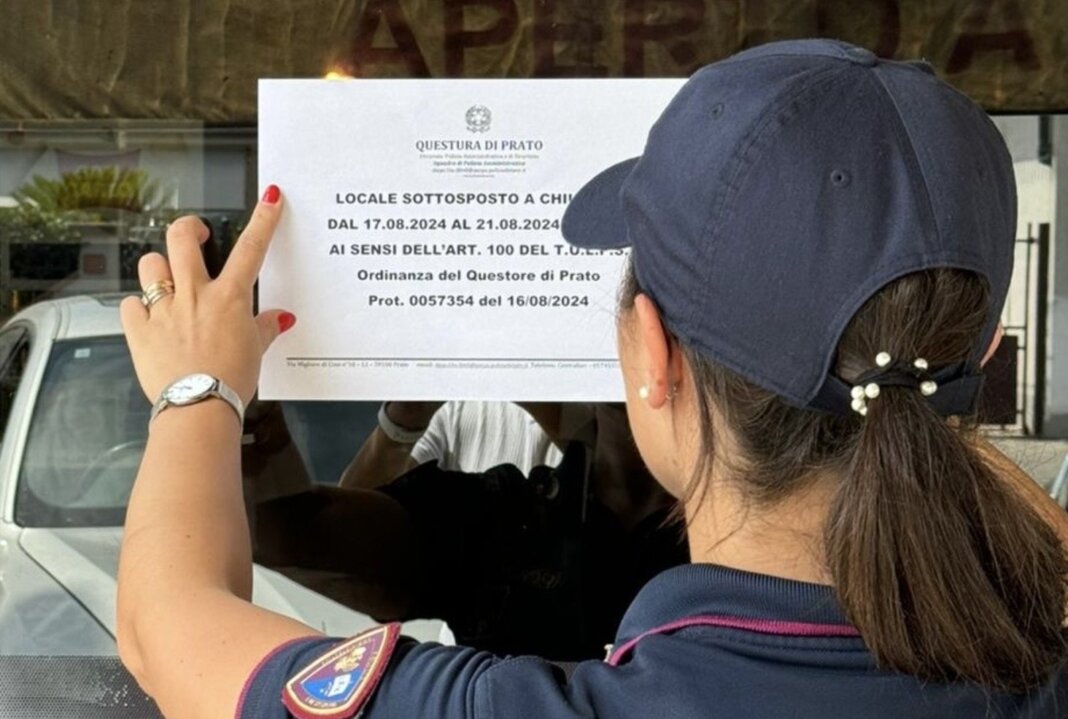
x,y
338,683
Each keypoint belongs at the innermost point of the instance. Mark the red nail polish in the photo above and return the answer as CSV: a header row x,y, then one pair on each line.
x,y
286,320
270,195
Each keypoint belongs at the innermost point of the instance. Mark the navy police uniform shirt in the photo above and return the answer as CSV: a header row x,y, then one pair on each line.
x,y
698,641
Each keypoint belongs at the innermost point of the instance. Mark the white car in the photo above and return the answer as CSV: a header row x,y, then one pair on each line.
x,y
73,424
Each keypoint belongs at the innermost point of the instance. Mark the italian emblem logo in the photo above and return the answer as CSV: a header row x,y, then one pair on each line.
x,y
340,681
478,118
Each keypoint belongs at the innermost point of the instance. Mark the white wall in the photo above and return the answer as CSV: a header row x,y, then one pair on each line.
x,y
194,170
1057,376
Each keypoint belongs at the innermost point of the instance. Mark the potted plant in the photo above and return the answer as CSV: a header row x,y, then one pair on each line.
x,y
42,245
43,229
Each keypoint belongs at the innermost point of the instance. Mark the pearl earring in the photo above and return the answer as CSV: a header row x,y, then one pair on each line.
x,y
643,392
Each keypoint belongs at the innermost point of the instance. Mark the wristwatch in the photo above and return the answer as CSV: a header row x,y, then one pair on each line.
x,y
400,435
195,388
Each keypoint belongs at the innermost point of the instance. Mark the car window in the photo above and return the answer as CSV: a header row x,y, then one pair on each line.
x,y
14,350
87,434
90,423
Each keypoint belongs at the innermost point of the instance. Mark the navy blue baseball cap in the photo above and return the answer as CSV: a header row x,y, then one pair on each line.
x,y
783,187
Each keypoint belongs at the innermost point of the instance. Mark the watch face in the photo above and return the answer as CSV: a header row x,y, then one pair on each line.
x,y
190,389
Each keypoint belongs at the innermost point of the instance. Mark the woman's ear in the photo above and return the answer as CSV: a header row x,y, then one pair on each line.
x,y
994,343
662,361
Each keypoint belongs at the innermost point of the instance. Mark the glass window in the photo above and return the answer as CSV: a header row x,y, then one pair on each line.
x,y
90,423
80,203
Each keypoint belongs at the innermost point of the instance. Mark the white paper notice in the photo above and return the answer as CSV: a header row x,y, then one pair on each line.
x,y
420,247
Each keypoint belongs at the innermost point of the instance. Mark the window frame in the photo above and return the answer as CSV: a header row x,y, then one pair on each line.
x,y
39,329
22,339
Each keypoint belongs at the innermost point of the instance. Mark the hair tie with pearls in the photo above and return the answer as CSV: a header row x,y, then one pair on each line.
x,y
889,373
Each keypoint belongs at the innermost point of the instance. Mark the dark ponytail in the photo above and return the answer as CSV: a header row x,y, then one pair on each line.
x,y
941,564
945,570
939,561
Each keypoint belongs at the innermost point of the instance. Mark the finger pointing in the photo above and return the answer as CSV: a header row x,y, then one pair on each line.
x,y
246,258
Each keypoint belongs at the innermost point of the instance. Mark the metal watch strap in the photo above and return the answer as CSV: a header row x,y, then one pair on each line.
x,y
218,390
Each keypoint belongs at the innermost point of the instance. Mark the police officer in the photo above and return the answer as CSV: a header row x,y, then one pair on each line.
x,y
822,243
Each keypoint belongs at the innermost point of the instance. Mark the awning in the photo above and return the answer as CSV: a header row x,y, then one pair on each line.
x,y
180,59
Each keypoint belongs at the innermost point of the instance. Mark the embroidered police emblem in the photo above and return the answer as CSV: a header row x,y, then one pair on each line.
x,y
478,118
338,684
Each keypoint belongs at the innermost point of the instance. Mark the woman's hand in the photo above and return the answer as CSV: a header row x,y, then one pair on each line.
x,y
205,325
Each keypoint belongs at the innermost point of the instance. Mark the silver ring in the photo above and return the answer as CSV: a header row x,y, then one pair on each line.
x,y
156,292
